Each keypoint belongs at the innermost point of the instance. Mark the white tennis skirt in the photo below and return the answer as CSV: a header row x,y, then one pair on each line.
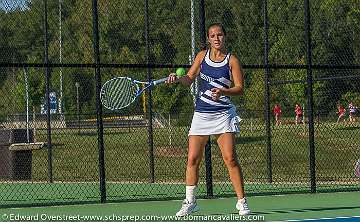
x,y
215,123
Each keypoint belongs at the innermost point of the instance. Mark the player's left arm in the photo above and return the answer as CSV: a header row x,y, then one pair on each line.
x,y
237,78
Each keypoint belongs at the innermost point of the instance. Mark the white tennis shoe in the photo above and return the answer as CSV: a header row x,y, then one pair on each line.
x,y
243,207
187,208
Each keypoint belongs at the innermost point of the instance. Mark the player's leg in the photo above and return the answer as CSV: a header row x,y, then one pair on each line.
x,y
279,119
226,143
357,169
195,153
343,117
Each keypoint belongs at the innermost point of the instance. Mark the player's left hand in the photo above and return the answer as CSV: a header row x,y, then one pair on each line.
x,y
215,94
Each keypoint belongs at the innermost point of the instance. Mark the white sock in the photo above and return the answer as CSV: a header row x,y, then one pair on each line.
x,y
241,201
190,193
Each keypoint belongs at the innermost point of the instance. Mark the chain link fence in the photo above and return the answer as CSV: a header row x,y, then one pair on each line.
x,y
58,146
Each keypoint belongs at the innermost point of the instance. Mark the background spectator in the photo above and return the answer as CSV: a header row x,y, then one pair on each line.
x,y
298,113
341,113
277,114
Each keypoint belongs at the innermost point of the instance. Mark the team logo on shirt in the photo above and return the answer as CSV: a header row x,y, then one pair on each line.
x,y
206,77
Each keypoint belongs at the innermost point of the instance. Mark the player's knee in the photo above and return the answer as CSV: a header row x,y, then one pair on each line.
x,y
230,162
193,161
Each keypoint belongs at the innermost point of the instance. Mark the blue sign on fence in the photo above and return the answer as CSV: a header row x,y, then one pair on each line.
x,y
53,104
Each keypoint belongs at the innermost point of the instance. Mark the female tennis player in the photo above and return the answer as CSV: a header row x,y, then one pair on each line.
x,y
221,76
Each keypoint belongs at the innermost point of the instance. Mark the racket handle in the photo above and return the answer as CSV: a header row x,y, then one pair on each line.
x,y
159,81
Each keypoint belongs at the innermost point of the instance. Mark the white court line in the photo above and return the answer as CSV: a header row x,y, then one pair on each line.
x,y
324,218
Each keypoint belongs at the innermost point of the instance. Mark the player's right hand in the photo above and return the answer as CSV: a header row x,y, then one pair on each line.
x,y
171,78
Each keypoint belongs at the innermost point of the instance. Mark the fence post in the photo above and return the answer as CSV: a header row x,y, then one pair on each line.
x,y
99,114
149,77
310,102
47,83
267,93
208,162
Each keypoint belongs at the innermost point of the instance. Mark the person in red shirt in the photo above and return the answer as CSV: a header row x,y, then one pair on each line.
x,y
341,113
298,113
277,114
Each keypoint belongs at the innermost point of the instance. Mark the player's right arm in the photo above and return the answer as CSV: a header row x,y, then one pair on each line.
x,y
192,73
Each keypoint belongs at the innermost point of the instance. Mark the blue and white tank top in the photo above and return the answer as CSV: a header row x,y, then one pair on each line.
x,y
213,75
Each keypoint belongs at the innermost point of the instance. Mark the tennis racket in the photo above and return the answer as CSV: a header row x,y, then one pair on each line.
x,y
120,92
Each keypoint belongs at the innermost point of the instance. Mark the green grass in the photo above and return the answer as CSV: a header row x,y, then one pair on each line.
x,y
75,156
75,161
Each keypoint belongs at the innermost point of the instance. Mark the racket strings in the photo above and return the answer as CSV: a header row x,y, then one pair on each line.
x,y
119,93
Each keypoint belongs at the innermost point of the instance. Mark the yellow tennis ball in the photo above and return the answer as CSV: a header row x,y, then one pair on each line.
x,y
180,72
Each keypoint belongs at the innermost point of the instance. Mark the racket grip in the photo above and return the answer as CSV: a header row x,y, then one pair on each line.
x,y
159,81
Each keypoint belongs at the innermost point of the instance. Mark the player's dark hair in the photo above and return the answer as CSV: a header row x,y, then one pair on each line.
x,y
218,24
